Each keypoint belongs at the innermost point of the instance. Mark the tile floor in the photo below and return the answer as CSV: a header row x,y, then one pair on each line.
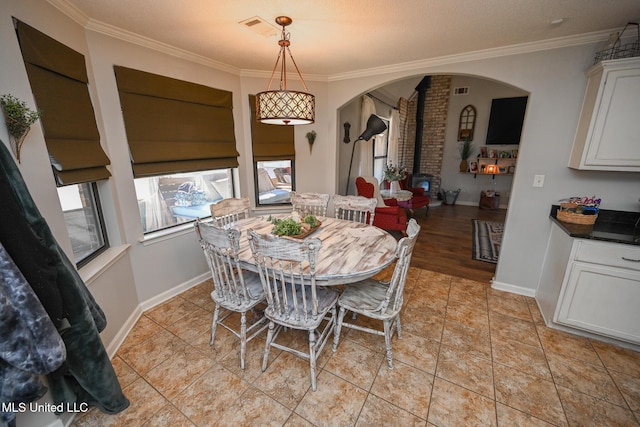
x,y
469,356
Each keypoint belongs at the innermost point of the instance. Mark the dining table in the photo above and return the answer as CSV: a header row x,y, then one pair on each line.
x,y
350,251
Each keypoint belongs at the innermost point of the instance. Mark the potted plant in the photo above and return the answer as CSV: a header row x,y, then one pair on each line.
x,y
466,150
19,119
394,174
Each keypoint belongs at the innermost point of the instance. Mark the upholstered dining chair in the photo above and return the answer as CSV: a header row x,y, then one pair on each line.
x,y
229,210
313,203
287,271
355,208
380,300
235,290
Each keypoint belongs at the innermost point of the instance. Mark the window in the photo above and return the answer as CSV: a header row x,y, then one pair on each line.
x,y
274,181
274,157
83,217
380,154
169,200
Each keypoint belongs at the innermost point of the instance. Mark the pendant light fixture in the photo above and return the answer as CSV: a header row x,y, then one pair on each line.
x,y
283,106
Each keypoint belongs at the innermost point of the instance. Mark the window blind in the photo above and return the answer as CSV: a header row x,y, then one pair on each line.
x,y
270,142
175,126
58,79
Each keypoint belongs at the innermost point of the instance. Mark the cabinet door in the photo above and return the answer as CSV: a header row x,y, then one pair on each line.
x,y
616,129
602,300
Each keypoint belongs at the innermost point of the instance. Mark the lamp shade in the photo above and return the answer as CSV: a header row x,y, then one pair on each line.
x,y
375,125
491,169
285,107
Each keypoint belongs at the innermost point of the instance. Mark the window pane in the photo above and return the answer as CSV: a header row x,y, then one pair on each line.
x,y
274,182
380,144
378,168
169,200
83,219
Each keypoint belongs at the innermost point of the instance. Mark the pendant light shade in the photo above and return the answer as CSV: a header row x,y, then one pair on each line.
x,y
285,107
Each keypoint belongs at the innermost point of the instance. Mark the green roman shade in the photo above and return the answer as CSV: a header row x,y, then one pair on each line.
x,y
58,79
270,142
175,126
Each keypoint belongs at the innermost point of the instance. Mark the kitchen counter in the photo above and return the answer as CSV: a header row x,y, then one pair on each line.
x,y
611,226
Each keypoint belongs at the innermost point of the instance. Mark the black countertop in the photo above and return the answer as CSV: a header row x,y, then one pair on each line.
x,y
611,226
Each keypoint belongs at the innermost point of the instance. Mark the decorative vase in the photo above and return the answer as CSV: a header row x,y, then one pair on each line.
x,y
394,187
464,165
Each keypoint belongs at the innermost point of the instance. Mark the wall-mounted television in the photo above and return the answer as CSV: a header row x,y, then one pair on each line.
x,y
505,121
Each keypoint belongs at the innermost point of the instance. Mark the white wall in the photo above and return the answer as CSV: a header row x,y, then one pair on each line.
x,y
556,81
481,92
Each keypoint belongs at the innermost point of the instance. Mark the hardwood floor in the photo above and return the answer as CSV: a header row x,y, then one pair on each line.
x,y
444,243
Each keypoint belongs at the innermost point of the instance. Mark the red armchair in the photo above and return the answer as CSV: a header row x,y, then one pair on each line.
x,y
419,199
389,216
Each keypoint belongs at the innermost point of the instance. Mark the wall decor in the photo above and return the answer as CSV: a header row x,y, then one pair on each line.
x,y
19,119
467,123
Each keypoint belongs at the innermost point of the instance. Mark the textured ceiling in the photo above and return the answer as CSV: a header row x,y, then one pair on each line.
x,y
333,37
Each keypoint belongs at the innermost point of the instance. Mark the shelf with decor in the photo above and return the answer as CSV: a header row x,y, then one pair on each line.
x,y
492,166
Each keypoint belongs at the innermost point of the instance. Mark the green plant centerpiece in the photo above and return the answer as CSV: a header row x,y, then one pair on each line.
x,y
19,119
465,149
295,225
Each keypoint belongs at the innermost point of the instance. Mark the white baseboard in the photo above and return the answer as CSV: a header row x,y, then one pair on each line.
x,y
501,286
116,342
166,295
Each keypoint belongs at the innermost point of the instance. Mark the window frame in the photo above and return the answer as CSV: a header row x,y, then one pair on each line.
x,y
231,172
256,187
380,176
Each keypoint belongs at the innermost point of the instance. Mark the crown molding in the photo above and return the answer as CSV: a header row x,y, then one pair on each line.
x,y
557,43
130,37
112,31
262,74
71,11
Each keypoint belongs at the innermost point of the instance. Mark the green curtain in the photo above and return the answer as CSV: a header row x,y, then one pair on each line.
x,y
175,126
270,142
58,79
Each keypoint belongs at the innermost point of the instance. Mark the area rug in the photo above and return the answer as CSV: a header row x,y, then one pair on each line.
x,y
486,237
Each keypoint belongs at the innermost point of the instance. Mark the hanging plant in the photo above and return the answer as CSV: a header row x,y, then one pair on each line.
x,y
311,137
19,119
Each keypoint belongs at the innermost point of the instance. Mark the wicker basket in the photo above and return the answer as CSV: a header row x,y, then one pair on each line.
x,y
576,218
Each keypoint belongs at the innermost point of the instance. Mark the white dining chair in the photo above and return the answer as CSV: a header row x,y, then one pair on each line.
x,y
288,274
355,208
234,289
230,210
310,203
380,300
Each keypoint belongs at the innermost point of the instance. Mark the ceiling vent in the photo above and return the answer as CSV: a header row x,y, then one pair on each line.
x,y
260,26
461,90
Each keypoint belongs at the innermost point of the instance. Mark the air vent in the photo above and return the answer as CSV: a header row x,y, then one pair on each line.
x,y
461,90
260,26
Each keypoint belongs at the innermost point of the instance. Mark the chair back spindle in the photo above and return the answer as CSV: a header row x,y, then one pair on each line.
x,y
234,290
230,210
310,203
287,270
355,208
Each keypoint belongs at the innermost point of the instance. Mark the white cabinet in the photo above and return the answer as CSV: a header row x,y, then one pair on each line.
x,y
608,134
601,290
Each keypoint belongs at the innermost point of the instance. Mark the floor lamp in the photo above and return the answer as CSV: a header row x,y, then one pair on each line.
x,y
375,125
